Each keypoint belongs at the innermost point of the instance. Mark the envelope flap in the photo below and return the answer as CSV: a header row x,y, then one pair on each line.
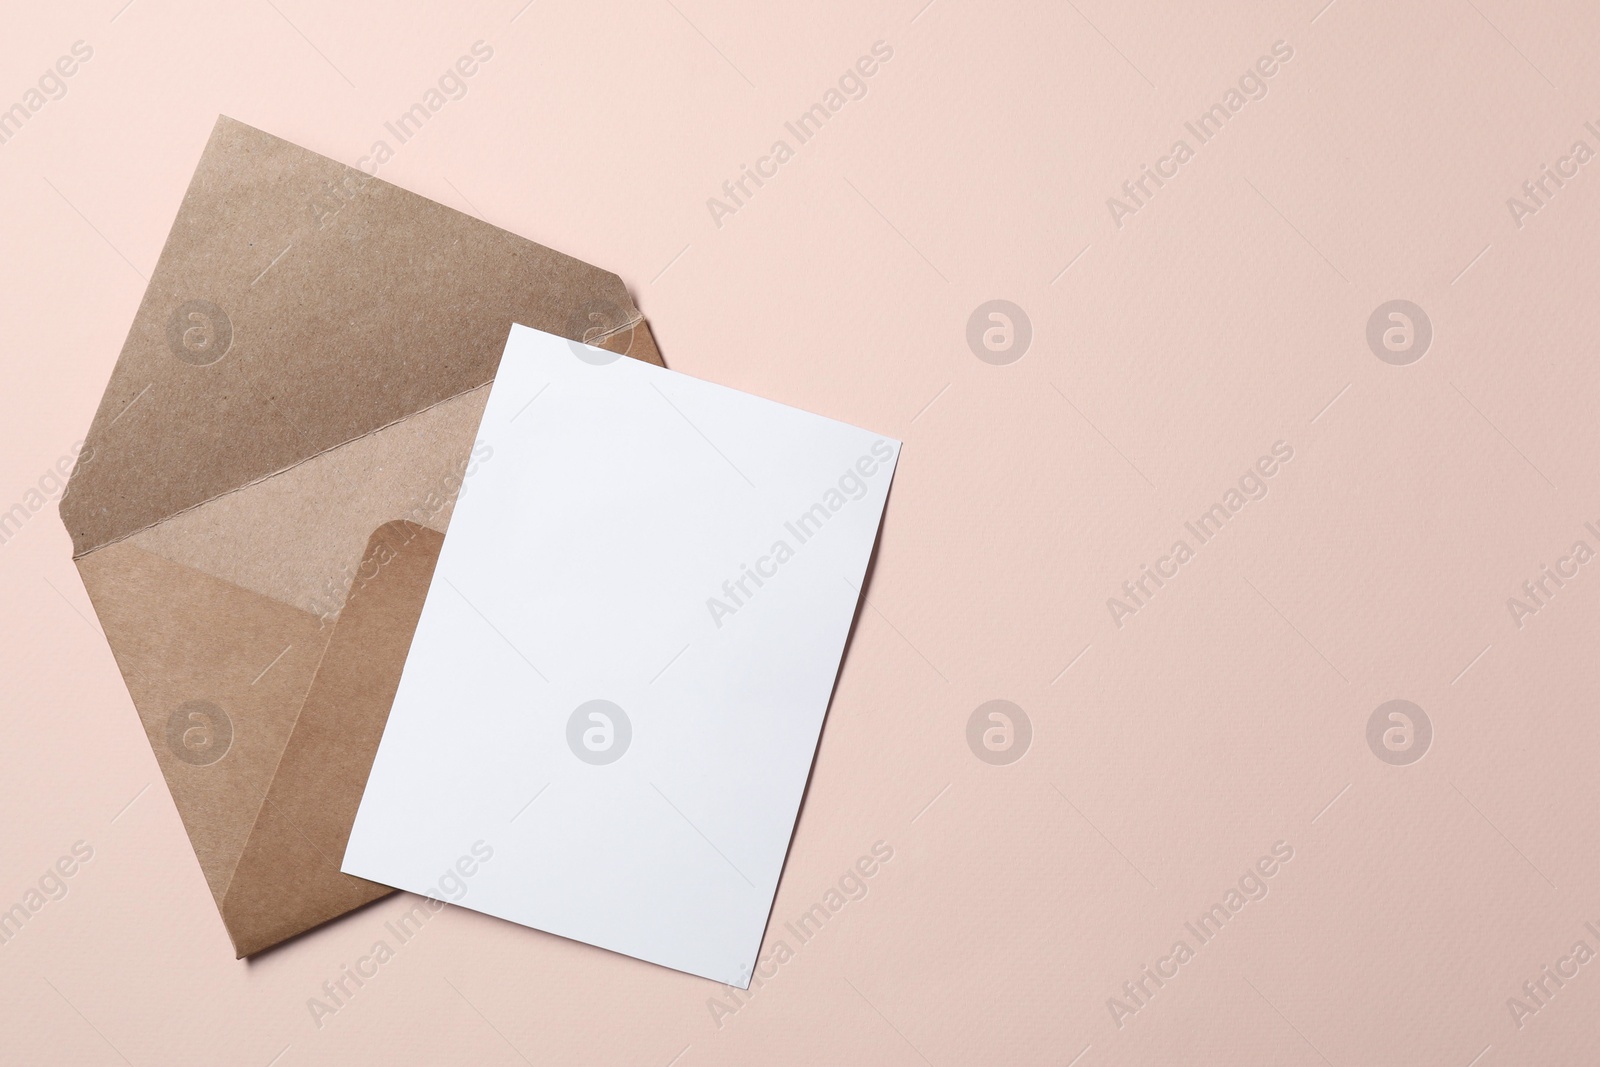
x,y
217,674
299,304
288,878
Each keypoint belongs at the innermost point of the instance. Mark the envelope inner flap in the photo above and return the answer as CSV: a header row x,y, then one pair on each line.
x,y
298,304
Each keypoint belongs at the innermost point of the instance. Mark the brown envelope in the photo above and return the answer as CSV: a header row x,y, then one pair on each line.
x,y
262,494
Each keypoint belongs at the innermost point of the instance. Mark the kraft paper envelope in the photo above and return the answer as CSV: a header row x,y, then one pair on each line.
x,y
262,492
643,601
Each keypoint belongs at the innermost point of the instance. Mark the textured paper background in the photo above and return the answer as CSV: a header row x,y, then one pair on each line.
x,y
1166,356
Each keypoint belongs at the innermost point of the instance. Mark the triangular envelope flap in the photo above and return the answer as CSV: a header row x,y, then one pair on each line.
x,y
288,879
298,304
299,536
217,674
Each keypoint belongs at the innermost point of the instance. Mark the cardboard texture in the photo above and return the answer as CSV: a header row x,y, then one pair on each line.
x,y
261,494
288,879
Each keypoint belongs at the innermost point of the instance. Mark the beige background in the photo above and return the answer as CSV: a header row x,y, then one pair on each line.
x,y
1167,755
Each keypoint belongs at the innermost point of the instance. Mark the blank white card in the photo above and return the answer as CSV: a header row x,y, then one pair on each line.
x,y
619,677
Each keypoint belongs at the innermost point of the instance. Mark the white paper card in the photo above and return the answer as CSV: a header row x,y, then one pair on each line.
x,y
621,670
